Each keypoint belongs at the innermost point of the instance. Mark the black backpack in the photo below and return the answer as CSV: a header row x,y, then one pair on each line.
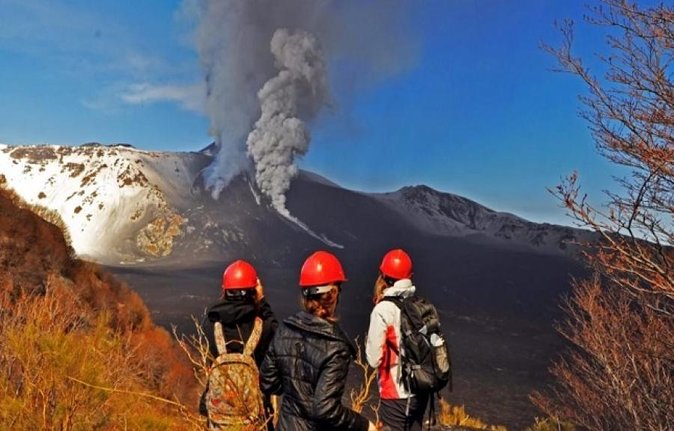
x,y
425,360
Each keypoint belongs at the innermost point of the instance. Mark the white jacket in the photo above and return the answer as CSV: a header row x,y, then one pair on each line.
x,y
383,342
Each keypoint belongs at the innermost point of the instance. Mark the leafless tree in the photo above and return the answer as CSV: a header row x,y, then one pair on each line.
x,y
619,373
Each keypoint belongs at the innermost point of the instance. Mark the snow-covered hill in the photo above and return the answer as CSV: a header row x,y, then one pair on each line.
x,y
124,204
111,198
446,214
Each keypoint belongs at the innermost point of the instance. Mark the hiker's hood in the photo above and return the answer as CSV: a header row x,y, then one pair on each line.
x,y
309,323
231,311
402,288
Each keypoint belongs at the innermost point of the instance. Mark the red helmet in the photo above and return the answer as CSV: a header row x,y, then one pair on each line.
x,y
396,264
239,275
321,268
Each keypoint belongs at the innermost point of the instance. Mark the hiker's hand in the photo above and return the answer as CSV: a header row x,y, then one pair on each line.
x,y
259,291
371,427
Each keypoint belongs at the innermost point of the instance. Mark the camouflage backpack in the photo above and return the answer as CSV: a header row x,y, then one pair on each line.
x,y
234,400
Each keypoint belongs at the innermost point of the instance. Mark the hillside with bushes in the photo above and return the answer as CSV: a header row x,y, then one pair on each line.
x,y
78,349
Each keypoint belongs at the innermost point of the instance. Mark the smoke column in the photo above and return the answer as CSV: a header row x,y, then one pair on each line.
x,y
232,43
266,78
280,134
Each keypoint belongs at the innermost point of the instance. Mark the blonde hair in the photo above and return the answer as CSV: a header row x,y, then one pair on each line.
x,y
322,305
379,286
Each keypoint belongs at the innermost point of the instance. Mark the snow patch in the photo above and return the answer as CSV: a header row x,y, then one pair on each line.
x,y
322,238
256,195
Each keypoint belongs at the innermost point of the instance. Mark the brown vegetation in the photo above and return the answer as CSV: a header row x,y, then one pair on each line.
x,y
620,371
33,154
130,177
78,349
362,394
550,424
91,176
74,168
456,416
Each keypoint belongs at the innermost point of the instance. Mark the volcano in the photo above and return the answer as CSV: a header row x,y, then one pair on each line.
x,y
496,278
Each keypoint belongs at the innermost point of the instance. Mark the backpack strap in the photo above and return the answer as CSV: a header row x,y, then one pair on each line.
x,y
220,343
250,345
254,338
396,300
398,303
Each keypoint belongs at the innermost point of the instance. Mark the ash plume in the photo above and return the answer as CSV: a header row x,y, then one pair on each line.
x,y
260,101
300,88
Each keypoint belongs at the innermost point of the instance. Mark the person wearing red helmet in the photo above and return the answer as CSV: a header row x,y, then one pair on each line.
x,y
241,303
399,408
309,357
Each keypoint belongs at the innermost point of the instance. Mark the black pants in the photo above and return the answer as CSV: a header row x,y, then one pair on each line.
x,y
393,413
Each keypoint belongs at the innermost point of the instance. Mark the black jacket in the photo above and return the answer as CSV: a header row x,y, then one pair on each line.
x,y
307,362
237,318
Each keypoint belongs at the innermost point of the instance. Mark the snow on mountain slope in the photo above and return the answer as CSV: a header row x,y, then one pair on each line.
x,y
446,214
102,193
122,204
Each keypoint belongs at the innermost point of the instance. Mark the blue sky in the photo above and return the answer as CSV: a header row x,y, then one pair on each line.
x,y
475,111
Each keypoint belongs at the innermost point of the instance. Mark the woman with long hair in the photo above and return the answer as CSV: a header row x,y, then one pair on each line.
x,y
309,358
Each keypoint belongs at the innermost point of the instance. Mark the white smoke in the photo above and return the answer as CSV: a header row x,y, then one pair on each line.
x,y
235,67
280,135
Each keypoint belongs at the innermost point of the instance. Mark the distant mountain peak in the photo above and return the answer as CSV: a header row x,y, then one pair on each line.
x,y
440,213
419,188
209,150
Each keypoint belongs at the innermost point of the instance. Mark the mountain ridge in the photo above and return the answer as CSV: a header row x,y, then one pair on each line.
x,y
129,205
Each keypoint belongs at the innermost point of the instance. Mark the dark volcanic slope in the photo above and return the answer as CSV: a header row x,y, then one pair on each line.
x,y
467,273
497,299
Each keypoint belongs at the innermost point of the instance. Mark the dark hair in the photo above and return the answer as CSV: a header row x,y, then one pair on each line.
x,y
243,295
320,305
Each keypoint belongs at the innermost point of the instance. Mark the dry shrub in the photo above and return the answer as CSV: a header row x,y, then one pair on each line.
x,y
63,367
29,247
361,395
453,416
164,366
550,424
104,292
621,370
196,348
78,349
